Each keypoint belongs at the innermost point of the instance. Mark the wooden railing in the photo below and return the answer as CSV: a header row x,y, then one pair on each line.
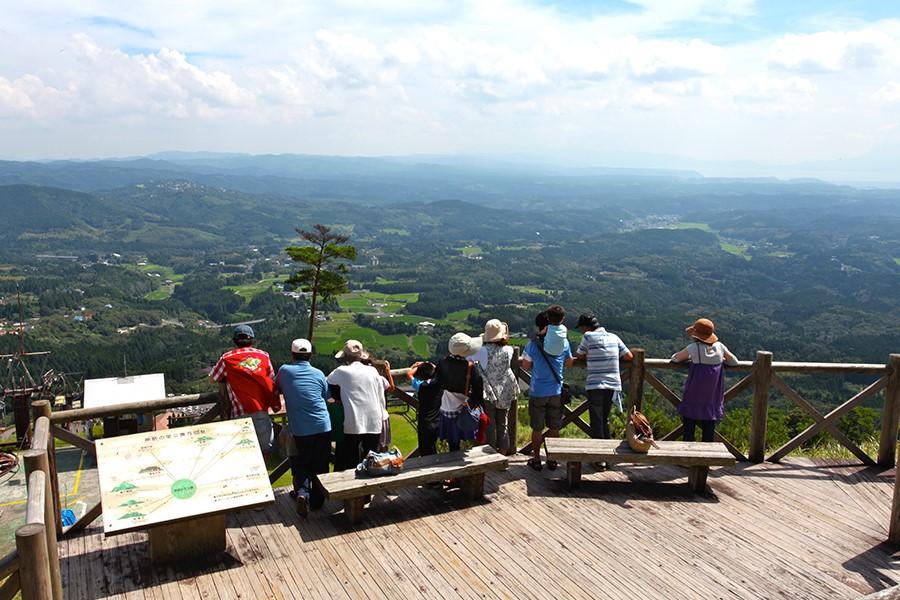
x,y
762,375
33,568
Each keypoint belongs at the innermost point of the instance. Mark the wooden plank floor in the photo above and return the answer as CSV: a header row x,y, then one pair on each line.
x,y
795,530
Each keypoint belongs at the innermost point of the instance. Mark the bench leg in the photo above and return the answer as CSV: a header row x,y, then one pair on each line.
x,y
472,486
697,478
573,473
353,508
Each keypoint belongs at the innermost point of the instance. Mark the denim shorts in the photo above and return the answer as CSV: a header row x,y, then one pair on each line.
x,y
262,423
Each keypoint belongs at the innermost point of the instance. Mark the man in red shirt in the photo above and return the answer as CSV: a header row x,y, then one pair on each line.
x,y
250,380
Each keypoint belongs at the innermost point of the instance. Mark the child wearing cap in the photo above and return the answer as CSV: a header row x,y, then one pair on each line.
x,y
555,334
703,402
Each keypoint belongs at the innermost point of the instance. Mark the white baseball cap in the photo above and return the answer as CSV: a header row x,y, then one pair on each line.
x,y
301,346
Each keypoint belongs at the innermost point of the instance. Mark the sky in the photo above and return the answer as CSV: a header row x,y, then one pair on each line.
x,y
787,87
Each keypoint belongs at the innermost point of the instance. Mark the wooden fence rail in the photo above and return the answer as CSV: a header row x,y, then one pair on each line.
x,y
762,376
32,570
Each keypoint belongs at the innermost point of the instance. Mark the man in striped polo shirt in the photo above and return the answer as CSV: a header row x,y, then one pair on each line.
x,y
602,350
250,380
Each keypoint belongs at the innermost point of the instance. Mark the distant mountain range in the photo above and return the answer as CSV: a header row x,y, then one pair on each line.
x,y
205,198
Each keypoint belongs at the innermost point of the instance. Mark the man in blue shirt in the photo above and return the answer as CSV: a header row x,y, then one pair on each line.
x,y
544,403
305,392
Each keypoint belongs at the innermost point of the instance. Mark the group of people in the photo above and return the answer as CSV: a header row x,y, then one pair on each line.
x,y
352,396
348,407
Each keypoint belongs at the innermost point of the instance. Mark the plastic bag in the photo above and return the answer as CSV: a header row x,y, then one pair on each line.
x,y
376,464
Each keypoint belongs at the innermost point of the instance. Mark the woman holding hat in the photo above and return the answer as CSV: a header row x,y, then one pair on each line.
x,y
500,385
461,385
703,402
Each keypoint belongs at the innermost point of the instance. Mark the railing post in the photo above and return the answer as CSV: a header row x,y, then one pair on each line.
x,y
512,417
890,417
636,390
36,460
42,408
759,411
35,579
894,531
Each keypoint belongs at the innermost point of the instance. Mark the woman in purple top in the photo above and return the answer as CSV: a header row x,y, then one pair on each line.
x,y
703,402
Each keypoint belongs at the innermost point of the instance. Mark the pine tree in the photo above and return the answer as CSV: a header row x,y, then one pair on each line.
x,y
326,258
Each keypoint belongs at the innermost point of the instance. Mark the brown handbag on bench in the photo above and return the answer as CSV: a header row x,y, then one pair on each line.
x,y
638,432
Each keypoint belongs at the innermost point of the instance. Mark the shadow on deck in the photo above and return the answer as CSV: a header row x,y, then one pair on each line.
x,y
794,530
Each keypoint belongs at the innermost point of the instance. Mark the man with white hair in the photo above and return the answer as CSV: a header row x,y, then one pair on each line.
x,y
305,391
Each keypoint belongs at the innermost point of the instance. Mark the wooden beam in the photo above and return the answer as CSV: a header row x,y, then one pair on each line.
x,y
672,434
89,517
42,408
406,397
213,414
809,409
280,470
739,387
76,440
662,388
759,410
41,438
9,564
894,527
781,367
133,408
731,447
666,363
39,508
890,417
829,419
9,589
636,388
34,571
512,415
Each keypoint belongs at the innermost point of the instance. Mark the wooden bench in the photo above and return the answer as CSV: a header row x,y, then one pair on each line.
x,y
468,466
698,457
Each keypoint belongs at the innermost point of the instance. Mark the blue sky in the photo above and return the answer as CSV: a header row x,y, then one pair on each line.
x,y
797,87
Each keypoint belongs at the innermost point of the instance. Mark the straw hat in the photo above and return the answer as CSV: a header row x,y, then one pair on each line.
x,y
703,330
464,345
352,349
495,330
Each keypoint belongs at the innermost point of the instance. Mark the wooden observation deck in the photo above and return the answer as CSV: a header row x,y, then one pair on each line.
x,y
774,526
797,529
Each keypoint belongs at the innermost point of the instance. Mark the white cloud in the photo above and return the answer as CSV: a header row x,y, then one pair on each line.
x,y
888,93
404,76
772,94
832,51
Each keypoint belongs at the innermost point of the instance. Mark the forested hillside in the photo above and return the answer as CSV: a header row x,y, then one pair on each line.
x,y
807,270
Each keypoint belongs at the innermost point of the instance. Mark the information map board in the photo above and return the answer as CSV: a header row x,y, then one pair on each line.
x,y
158,477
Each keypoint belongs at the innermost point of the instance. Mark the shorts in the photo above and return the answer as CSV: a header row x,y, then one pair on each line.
x,y
262,423
545,412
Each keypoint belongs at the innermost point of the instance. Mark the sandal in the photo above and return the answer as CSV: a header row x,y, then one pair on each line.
x,y
535,463
552,464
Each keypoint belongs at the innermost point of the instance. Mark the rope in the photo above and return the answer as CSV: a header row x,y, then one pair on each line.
x,y
9,466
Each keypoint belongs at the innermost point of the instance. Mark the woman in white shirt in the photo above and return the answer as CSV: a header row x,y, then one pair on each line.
x,y
362,397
